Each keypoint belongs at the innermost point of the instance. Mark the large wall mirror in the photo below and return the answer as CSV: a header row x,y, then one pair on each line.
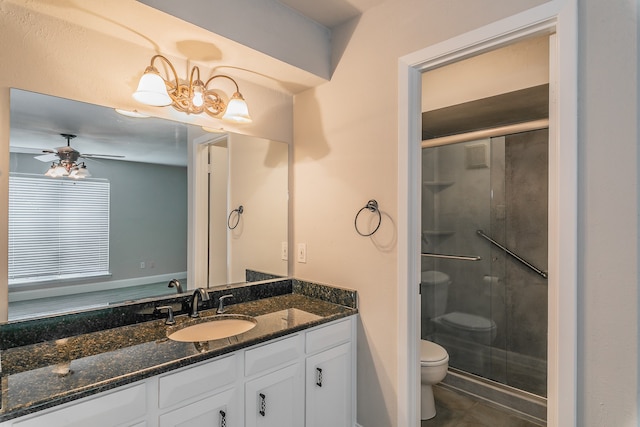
x,y
122,233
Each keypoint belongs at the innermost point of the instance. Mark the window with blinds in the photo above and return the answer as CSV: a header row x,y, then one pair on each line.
x,y
58,228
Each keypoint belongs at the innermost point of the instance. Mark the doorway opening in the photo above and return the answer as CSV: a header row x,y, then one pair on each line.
x,y
558,21
483,280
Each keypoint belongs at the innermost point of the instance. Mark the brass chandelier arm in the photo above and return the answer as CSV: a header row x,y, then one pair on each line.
x,y
194,70
180,94
226,77
154,69
197,83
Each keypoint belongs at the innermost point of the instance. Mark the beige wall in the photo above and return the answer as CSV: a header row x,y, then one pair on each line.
x,y
345,153
523,65
258,182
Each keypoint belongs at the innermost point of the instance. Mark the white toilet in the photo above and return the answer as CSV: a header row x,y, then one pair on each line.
x,y
434,362
465,326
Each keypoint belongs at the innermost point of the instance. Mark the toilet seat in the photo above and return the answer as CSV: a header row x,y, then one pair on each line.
x,y
432,354
468,322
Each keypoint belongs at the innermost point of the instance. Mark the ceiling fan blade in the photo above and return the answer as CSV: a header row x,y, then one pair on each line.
x,y
28,150
102,155
47,157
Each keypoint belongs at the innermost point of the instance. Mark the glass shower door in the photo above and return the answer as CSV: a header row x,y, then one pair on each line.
x,y
457,203
484,307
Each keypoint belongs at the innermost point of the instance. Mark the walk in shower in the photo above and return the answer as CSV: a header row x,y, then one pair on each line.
x,y
484,257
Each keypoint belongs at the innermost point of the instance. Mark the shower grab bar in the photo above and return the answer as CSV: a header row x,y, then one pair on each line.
x,y
460,257
516,256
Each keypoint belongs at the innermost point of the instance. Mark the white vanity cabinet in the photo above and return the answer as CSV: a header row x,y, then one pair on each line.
x,y
303,379
275,399
330,376
274,388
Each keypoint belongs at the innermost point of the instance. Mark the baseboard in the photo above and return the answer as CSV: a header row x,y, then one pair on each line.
x,y
24,295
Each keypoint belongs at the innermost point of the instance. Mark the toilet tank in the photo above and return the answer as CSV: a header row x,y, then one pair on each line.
x,y
434,288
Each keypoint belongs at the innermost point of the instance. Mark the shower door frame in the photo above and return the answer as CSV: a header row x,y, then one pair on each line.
x,y
559,19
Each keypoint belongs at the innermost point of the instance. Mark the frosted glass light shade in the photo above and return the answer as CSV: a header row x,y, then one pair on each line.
x,y
51,172
60,171
152,90
79,173
237,110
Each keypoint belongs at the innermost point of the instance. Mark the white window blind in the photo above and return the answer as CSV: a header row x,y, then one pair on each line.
x,y
58,228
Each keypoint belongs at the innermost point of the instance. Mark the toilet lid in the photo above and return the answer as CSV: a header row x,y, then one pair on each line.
x,y
432,353
467,321
434,277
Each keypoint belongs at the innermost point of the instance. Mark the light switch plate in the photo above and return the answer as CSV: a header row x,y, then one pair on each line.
x,y
302,253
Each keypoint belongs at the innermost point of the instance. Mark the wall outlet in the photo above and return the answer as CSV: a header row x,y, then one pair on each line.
x,y
284,251
142,264
302,253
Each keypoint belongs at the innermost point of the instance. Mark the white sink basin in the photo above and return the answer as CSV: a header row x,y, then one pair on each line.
x,y
214,328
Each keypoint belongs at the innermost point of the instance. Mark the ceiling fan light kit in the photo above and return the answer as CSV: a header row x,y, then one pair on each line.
x,y
67,164
193,98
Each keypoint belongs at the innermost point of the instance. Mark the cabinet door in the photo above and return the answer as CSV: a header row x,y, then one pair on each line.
x,y
276,399
219,410
329,386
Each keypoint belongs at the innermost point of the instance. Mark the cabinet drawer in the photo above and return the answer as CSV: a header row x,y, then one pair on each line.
x,y
328,336
112,409
193,382
220,409
272,355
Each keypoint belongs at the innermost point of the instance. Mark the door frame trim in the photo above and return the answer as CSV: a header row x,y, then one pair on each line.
x,y
559,19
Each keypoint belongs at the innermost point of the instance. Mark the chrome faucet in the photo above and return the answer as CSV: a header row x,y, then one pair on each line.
x,y
170,319
174,283
198,294
220,309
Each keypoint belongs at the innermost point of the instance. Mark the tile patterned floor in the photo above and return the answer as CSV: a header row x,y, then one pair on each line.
x,y
457,410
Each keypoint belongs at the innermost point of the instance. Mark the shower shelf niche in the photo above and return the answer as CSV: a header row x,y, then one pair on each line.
x,y
438,185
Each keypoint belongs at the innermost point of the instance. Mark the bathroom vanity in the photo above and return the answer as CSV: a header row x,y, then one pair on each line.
x,y
295,367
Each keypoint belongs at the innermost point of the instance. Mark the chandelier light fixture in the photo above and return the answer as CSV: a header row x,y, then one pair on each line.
x,y
67,164
194,97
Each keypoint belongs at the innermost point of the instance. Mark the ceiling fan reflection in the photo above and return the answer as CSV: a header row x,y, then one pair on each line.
x,y
65,160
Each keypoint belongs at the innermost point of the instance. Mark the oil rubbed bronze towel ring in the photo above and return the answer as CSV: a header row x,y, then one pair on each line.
x,y
238,211
371,206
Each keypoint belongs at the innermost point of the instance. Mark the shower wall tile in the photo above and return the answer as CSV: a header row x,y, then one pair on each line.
x,y
527,192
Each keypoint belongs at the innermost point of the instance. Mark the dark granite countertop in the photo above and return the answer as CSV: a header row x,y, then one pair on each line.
x,y
46,373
